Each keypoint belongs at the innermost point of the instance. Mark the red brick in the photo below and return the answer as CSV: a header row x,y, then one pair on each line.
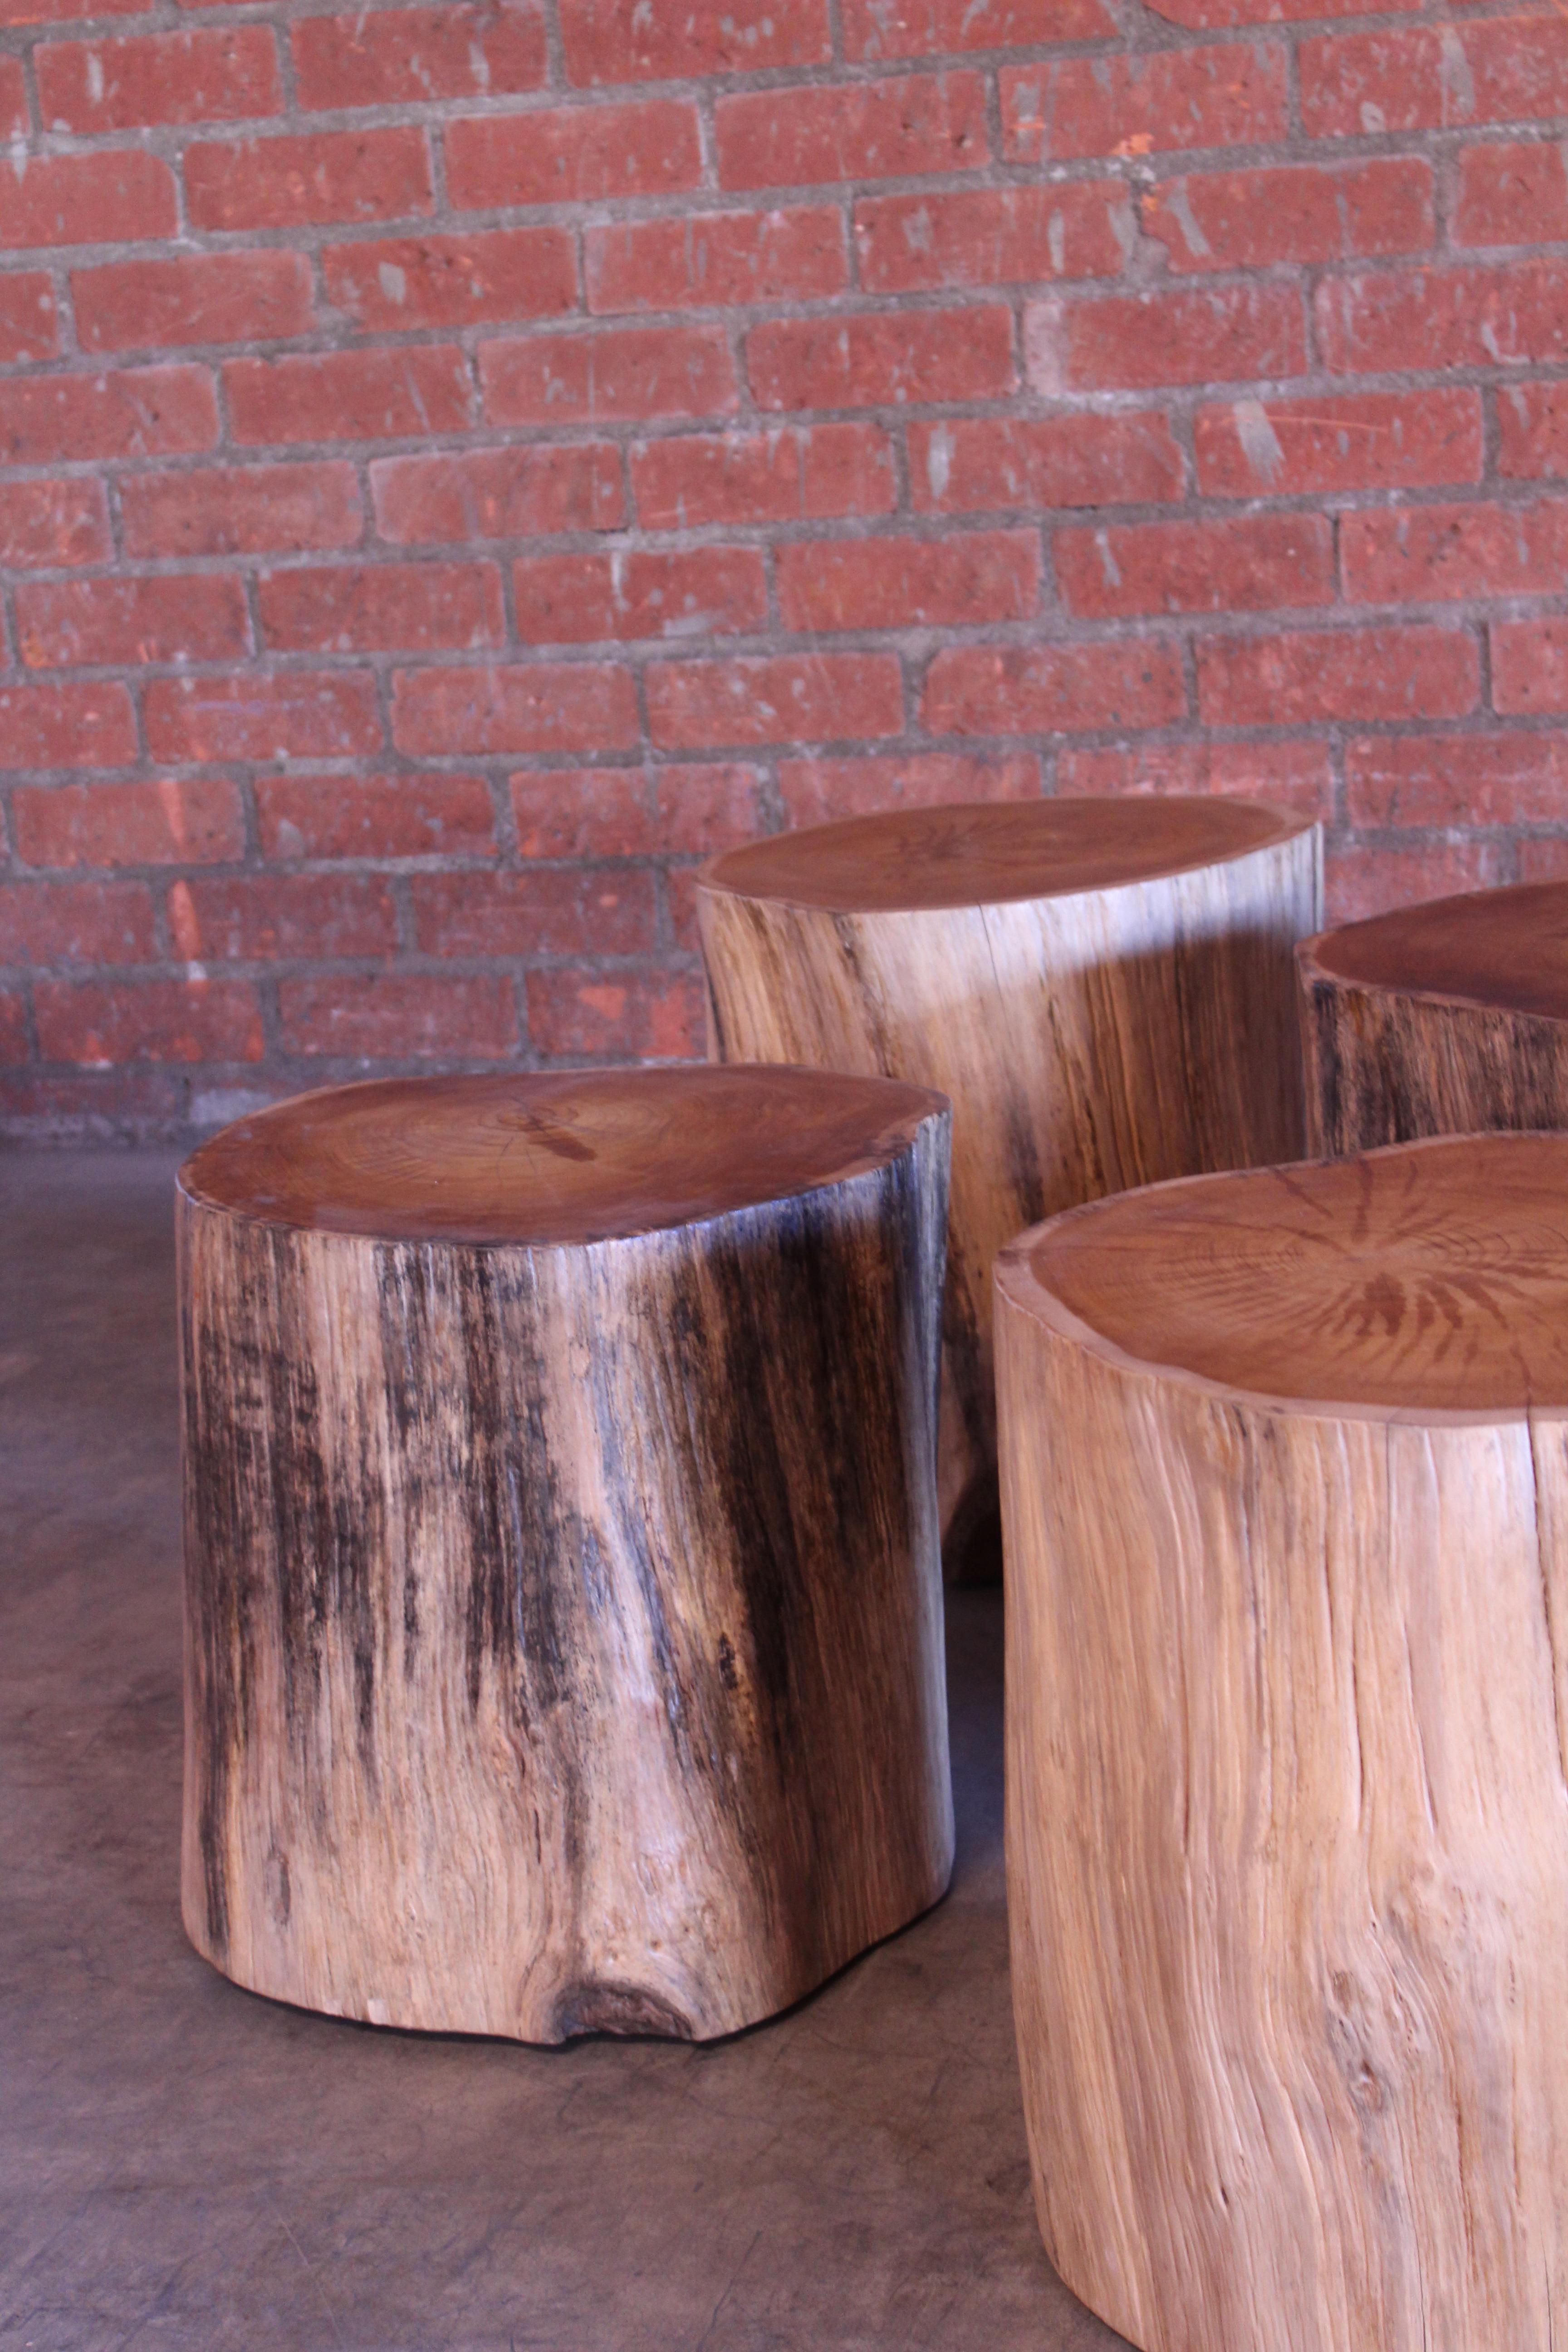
x,y
333,175
370,608
242,509
454,281
874,29
816,791
1047,688
375,816
156,1021
50,923
355,395
1228,16
680,898
14,1046
852,131
1425,77
704,259
1414,554
1533,436
883,358
627,40
156,412
629,813
1368,673
72,726
1529,666
547,912
29,322
1247,220
1445,318
46,523
195,823
573,156
246,919
87,200
683,913
904,583
224,73
1515,194
966,465
792,474
586,813
13,118
1543,861
1129,343
527,492
636,593
529,706
297,715
201,298
621,373
993,237
623,1019
402,56
1296,776
1362,881
399,1016
174,616
774,698
1456,780
1251,566
1229,96
1373,441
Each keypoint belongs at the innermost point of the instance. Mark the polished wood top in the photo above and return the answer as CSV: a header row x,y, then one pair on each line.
x,y
573,1157
1430,1276
985,852
1504,948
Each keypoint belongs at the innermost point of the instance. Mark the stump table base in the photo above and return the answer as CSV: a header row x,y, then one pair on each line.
x,y
1285,1464
562,1596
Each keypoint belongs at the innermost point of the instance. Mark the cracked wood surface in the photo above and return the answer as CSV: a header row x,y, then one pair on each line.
x,y
1445,1018
1284,1488
1103,987
563,1638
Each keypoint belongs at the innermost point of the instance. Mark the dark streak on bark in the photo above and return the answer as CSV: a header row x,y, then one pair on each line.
x,y
1382,1068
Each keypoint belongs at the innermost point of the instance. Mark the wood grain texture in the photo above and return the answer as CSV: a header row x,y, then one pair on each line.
x,y
564,1645
1288,1749
1445,1018
1104,989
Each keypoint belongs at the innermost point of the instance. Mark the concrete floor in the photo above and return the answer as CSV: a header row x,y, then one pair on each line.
x,y
184,2165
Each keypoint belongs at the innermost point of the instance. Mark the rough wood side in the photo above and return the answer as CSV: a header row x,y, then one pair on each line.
x,y
1388,1066
563,1635
1088,1042
1287,1854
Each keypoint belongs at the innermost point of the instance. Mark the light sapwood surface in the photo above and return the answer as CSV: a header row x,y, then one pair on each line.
x,y
1285,1490
1439,1019
1103,987
563,1635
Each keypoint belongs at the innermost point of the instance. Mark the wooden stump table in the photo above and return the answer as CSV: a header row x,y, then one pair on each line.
x,y
564,1638
1439,1019
1285,1481
1103,987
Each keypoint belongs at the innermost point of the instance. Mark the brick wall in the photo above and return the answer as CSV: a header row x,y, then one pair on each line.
x,y
461,463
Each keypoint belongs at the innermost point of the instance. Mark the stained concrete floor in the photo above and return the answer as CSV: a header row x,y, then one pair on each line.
x,y
183,2165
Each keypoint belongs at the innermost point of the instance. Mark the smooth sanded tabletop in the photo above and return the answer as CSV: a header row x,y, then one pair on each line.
x,y
573,1157
1430,1276
987,853
1502,948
